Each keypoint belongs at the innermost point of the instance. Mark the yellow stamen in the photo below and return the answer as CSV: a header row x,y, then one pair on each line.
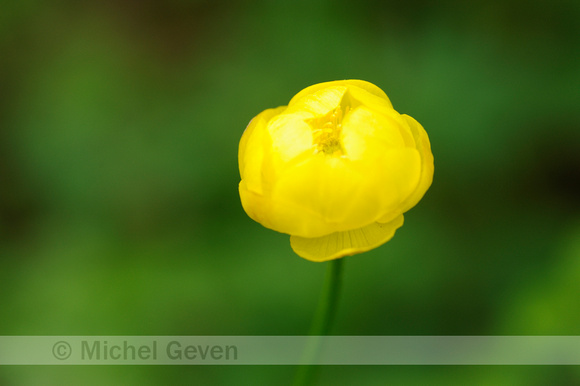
x,y
326,132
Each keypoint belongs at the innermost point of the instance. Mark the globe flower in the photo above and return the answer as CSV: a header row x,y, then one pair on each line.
x,y
335,169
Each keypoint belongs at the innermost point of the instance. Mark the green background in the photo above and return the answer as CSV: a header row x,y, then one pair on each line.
x,y
119,210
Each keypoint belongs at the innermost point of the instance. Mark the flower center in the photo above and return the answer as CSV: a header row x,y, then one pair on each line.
x,y
326,131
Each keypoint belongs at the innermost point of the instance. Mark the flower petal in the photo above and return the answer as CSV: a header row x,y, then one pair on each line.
x,y
427,167
251,149
333,188
367,86
346,243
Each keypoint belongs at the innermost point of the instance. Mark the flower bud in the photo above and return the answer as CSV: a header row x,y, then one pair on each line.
x,y
335,169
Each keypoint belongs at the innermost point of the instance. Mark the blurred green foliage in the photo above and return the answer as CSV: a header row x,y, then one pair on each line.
x,y
119,212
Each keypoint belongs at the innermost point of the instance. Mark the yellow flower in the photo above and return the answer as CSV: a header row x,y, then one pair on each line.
x,y
336,169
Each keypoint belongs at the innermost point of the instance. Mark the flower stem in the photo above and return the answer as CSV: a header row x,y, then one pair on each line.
x,y
328,300
322,322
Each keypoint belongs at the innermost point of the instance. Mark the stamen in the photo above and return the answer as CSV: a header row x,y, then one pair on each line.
x,y
326,132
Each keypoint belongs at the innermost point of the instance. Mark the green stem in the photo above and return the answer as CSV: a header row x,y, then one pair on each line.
x,y
328,300
322,322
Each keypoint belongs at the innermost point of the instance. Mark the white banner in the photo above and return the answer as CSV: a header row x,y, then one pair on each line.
x,y
289,350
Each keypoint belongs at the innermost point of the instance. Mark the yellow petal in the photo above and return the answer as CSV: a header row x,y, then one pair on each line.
x,y
332,187
290,136
369,87
316,194
347,243
364,131
279,215
251,148
400,172
318,103
427,167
